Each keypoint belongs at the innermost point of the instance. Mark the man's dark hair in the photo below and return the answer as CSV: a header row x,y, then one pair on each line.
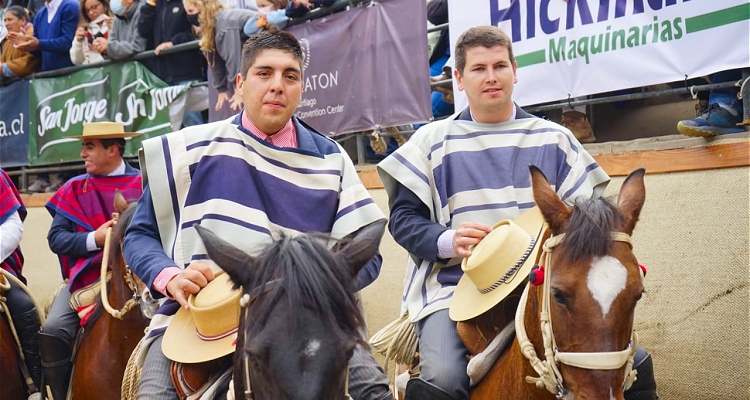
x,y
481,36
269,39
119,142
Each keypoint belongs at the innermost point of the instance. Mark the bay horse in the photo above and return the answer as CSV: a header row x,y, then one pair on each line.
x,y
591,284
12,385
107,340
300,320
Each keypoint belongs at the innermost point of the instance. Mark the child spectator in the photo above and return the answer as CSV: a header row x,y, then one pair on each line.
x,y
96,18
723,113
221,41
271,12
124,40
15,62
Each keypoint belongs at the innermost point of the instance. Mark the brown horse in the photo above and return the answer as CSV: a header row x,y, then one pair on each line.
x,y
106,342
593,283
12,385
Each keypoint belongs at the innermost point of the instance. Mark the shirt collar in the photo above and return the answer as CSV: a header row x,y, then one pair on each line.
x,y
119,170
285,137
53,5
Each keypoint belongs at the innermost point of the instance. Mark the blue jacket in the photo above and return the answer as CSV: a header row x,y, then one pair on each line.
x,y
55,38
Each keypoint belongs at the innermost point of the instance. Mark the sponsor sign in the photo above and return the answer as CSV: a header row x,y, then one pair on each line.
x,y
126,93
15,127
572,48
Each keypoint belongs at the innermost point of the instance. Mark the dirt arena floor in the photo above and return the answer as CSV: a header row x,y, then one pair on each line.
x,y
381,299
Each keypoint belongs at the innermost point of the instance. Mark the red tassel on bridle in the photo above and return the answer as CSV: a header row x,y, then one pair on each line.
x,y
536,276
643,269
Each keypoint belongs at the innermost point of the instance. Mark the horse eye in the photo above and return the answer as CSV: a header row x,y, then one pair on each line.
x,y
559,297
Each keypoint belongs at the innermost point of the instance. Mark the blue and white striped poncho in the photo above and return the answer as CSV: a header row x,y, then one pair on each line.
x,y
468,171
247,190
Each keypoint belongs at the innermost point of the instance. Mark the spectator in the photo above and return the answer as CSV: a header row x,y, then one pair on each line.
x,y
298,8
96,19
221,41
164,24
54,28
14,62
437,14
723,112
271,12
124,40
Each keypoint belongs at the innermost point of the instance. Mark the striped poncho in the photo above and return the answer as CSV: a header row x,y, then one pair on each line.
x,y
245,189
88,201
467,171
10,202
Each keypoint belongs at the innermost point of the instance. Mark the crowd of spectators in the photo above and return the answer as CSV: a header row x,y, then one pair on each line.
x,y
44,35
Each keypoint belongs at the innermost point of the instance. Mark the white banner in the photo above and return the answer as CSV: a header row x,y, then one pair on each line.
x,y
571,48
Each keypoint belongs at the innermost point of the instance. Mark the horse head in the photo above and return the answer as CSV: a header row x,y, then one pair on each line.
x,y
301,319
592,283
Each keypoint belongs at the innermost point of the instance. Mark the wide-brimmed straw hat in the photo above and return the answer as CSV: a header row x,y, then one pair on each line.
x,y
498,264
208,330
104,130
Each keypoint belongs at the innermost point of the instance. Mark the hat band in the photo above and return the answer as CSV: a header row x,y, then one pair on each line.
x,y
211,338
512,271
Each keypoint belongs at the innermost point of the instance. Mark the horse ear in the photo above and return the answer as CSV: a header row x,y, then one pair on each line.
x,y
555,212
120,203
232,260
359,247
631,198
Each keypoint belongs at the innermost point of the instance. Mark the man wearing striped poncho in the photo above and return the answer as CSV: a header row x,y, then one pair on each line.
x,y
245,178
454,179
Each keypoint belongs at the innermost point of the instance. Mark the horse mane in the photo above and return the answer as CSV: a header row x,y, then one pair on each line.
x,y
587,233
118,234
310,277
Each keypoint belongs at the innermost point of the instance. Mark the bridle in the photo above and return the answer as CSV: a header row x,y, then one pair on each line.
x,y
549,373
245,301
133,301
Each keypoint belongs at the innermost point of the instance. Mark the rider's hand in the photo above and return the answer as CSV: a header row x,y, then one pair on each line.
x,y
100,234
468,234
190,281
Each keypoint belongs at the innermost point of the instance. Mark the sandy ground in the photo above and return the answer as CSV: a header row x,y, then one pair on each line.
x,y
381,299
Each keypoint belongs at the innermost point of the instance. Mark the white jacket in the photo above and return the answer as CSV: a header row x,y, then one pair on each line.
x,y
81,52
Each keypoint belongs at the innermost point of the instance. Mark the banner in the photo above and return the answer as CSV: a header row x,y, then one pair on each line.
x,y
15,127
127,93
364,68
572,48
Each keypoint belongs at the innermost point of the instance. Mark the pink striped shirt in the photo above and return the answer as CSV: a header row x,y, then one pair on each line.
x,y
286,137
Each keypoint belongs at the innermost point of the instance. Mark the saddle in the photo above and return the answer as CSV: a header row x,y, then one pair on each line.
x,y
191,380
83,300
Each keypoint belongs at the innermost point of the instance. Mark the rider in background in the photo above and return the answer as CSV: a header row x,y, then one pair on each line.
x,y
21,305
82,210
455,178
245,178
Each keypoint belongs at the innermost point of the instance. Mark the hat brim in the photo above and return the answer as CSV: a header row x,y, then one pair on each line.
x,y
121,135
468,302
181,341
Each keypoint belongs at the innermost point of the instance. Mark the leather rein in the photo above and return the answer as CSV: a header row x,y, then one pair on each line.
x,y
548,369
245,301
133,301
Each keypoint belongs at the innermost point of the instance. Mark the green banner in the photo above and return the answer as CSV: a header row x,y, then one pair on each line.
x,y
127,93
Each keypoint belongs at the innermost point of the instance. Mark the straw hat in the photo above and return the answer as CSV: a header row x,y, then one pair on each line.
x,y
104,130
208,330
498,265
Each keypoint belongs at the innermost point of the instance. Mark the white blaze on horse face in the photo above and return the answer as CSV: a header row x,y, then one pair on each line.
x,y
607,278
312,348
